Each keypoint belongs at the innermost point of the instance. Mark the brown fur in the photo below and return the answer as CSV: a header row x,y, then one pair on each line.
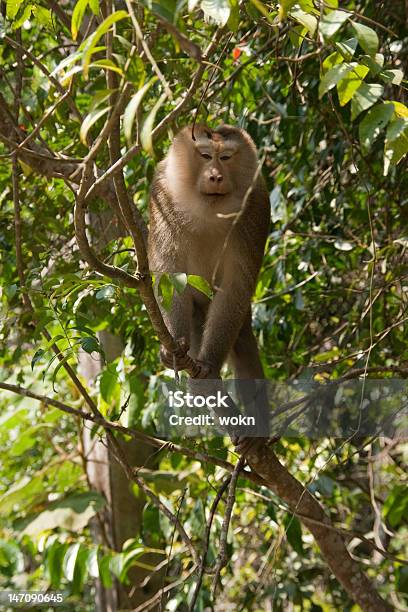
x,y
193,205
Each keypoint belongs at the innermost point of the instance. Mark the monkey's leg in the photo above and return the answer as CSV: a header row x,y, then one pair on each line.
x,y
179,322
244,357
245,360
197,328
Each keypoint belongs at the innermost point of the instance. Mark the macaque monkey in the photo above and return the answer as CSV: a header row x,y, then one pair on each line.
x,y
209,216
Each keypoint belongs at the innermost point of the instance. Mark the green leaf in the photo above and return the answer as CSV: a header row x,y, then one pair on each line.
x,y
375,120
199,283
233,20
107,64
332,77
53,561
166,291
396,142
22,493
43,16
332,22
90,345
27,439
136,71
260,6
92,563
72,513
94,4
347,87
26,14
37,357
284,8
104,571
70,559
309,21
217,11
347,48
147,129
77,17
11,290
108,382
395,507
332,60
132,108
278,204
375,63
367,37
12,7
88,46
57,369
89,121
392,76
179,281
400,109
365,97
294,533
105,293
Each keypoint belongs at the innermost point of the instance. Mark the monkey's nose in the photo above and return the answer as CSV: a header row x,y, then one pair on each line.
x,y
216,178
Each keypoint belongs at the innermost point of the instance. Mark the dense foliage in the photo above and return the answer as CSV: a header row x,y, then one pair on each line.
x,y
321,90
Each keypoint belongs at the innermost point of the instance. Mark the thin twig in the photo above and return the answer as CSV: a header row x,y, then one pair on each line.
x,y
222,555
201,569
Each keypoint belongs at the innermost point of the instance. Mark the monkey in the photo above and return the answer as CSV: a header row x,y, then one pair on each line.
x,y
209,216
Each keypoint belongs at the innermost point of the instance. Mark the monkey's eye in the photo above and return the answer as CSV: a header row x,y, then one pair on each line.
x,y
225,157
205,155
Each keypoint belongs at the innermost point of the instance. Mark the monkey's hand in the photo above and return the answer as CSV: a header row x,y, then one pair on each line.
x,y
177,360
206,370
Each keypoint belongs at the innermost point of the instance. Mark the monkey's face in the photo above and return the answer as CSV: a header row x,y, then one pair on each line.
x,y
215,160
210,171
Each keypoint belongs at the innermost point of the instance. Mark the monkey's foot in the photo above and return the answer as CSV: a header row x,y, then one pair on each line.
x,y
178,360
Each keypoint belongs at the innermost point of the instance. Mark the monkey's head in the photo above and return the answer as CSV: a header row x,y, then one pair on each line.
x,y
210,170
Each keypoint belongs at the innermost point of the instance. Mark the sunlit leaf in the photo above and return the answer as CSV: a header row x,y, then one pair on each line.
x,y
77,17
284,8
309,21
332,22
108,64
374,122
392,76
217,11
166,291
332,77
147,129
367,37
89,121
347,87
179,281
12,8
396,142
199,283
347,48
365,96
89,45
132,108
70,561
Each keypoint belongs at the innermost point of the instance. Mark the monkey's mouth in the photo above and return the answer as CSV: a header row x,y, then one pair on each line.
x,y
215,194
